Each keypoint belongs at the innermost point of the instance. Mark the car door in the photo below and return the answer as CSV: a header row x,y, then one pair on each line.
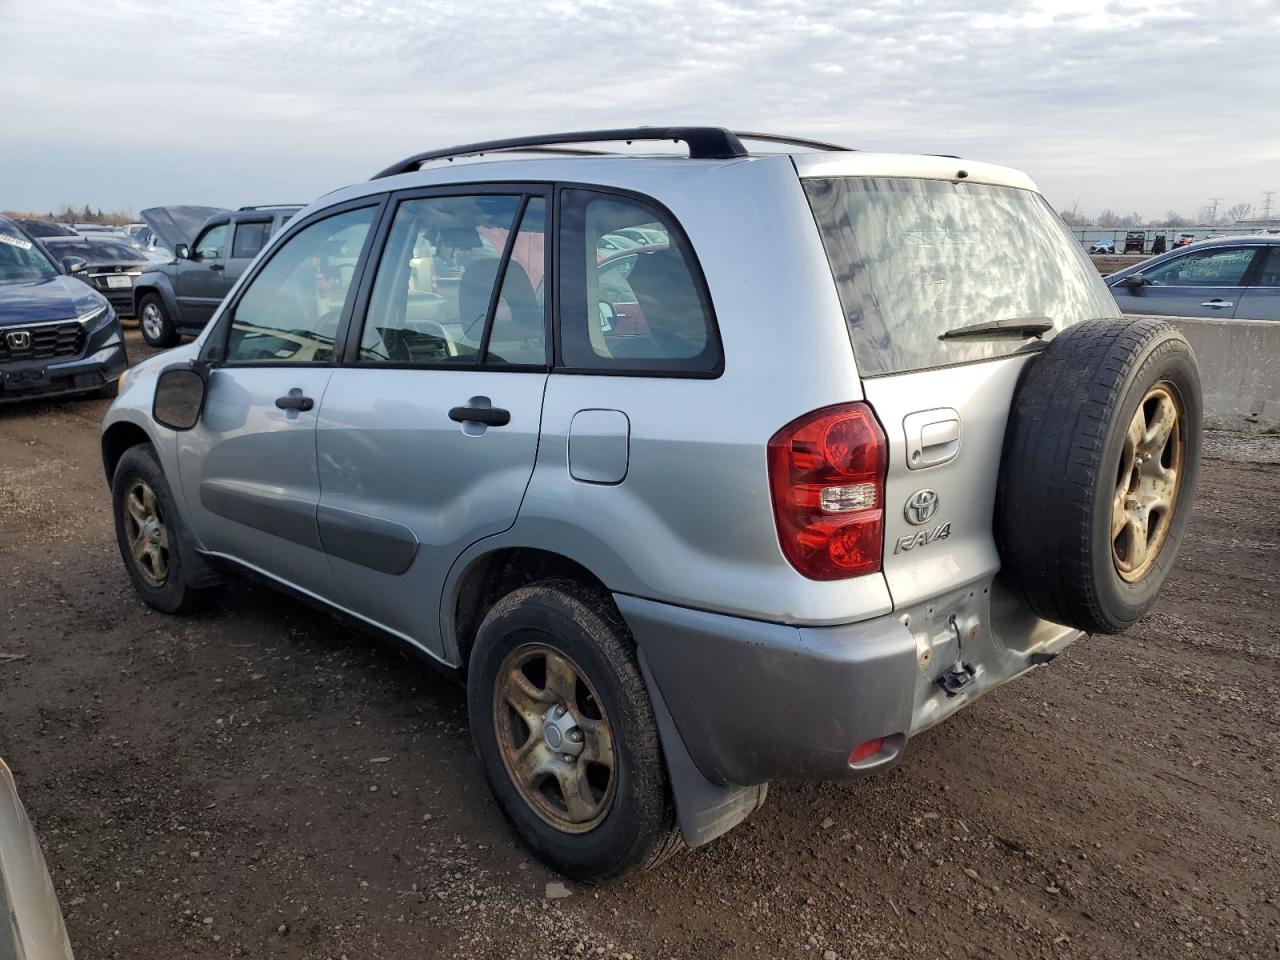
x,y
428,433
1201,283
247,239
248,469
200,281
1260,300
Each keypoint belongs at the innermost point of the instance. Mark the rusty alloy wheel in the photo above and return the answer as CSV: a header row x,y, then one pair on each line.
x,y
555,738
1147,486
146,532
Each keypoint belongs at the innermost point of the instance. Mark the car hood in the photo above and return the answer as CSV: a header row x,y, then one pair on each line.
x,y
62,298
175,225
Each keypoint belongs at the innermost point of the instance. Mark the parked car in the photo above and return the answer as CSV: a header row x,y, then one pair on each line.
x,y
1231,277
39,229
133,229
1184,239
31,924
1135,241
113,263
95,228
755,538
210,253
58,336
1102,246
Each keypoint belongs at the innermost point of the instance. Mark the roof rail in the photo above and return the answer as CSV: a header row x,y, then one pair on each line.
x,y
790,141
705,143
268,206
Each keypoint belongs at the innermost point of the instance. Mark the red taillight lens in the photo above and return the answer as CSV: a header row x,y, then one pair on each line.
x,y
866,749
826,471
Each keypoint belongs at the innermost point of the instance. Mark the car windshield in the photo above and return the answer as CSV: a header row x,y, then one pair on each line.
x,y
21,261
913,259
100,249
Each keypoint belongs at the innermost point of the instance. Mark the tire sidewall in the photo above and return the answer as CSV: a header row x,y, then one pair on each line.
x,y
639,811
168,336
139,462
1167,359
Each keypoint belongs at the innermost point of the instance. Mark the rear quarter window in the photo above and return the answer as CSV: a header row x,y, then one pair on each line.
x,y
914,258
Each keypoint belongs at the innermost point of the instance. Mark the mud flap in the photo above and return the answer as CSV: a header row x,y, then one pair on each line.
x,y
704,810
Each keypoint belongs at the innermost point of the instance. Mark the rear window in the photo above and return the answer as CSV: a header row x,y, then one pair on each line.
x,y
915,258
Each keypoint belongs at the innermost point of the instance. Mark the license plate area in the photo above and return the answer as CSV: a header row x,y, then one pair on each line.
x,y
117,283
25,377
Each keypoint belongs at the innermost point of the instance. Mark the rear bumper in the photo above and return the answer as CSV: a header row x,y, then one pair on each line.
x,y
756,701
102,361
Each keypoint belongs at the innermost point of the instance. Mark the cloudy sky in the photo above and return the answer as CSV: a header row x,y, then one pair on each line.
x,y
1126,104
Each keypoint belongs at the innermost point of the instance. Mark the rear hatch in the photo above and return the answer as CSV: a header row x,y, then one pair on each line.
x,y
949,287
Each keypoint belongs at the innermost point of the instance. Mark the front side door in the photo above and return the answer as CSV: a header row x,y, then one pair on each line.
x,y
428,433
248,238
1205,283
1261,298
248,469
200,282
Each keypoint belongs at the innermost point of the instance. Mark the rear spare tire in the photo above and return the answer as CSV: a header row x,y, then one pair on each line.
x,y
1099,471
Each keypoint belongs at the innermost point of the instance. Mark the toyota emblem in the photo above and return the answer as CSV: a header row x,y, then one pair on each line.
x,y
921,507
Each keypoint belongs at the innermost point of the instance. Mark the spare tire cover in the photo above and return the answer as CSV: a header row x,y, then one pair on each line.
x,y
1098,473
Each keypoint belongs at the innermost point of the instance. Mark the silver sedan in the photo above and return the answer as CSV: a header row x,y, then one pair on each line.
x,y
1226,278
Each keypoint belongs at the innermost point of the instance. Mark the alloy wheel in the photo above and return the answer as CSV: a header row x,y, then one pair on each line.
x,y
1148,482
146,532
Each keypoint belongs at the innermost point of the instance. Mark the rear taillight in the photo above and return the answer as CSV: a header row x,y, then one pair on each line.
x,y
826,471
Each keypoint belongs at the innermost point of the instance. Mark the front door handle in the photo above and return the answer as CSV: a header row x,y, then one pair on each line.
x,y
489,416
1217,303
217,266
294,400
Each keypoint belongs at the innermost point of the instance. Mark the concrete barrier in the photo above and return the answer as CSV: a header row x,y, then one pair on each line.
x,y
1239,369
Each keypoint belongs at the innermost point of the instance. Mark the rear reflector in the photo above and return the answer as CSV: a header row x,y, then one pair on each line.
x,y
865,750
826,473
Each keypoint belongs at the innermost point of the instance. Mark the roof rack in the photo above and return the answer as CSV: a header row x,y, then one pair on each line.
x,y
268,206
705,143
790,141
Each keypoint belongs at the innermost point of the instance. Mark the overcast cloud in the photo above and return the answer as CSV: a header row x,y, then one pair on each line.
x,y
1127,104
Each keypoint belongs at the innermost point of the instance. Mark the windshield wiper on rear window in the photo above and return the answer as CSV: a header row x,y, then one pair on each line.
x,y
1027,326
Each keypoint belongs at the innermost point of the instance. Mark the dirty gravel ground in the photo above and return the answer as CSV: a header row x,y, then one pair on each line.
x,y
259,780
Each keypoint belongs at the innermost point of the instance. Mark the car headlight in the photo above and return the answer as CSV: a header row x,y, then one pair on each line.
x,y
93,315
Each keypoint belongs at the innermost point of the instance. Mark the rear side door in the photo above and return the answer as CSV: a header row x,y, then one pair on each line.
x,y
248,468
247,239
200,281
1203,283
428,433
1260,300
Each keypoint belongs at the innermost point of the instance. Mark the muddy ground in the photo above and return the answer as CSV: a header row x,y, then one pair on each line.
x,y
260,781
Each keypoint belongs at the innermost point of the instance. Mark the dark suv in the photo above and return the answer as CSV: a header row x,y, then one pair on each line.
x,y
179,297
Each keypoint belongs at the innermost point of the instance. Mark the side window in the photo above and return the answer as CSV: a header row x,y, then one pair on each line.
x,y
249,239
291,309
210,244
629,299
1209,268
1269,275
432,295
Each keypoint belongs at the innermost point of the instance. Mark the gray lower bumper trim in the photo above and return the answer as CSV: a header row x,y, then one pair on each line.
x,y
758,701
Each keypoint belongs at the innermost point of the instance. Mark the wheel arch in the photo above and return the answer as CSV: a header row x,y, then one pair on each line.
x,y
480,581
117,439
160,285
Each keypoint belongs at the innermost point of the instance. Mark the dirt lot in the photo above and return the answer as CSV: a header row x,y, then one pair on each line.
x,y
260,781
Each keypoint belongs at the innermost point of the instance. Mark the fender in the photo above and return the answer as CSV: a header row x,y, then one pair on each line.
x,y
158,281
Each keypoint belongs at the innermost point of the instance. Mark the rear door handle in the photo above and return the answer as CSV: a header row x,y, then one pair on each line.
x,y
294,400
1217,303
489,416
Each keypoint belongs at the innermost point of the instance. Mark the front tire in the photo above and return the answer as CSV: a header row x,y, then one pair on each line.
x,y
157,326
148,532
562,722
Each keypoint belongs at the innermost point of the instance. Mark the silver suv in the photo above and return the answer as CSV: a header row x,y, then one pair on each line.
x,y
833,444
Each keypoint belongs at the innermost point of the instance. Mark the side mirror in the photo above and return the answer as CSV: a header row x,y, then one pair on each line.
x,y
1135,281
182,252
179,400
75,265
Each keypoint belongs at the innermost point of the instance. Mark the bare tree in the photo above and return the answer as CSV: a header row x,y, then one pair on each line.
x,y
1109,218
1239,211
1174,219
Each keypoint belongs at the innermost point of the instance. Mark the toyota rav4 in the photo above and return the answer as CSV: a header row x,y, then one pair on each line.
x,y
850,440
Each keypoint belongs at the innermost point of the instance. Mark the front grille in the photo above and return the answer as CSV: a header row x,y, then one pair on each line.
x,y
47,341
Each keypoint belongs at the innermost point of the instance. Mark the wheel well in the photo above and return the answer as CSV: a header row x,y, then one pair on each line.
x,y
119,438
495,575
139,293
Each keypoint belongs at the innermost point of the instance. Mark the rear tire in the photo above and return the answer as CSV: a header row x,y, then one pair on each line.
x,y
148,532
1093,503
627,822
156,324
